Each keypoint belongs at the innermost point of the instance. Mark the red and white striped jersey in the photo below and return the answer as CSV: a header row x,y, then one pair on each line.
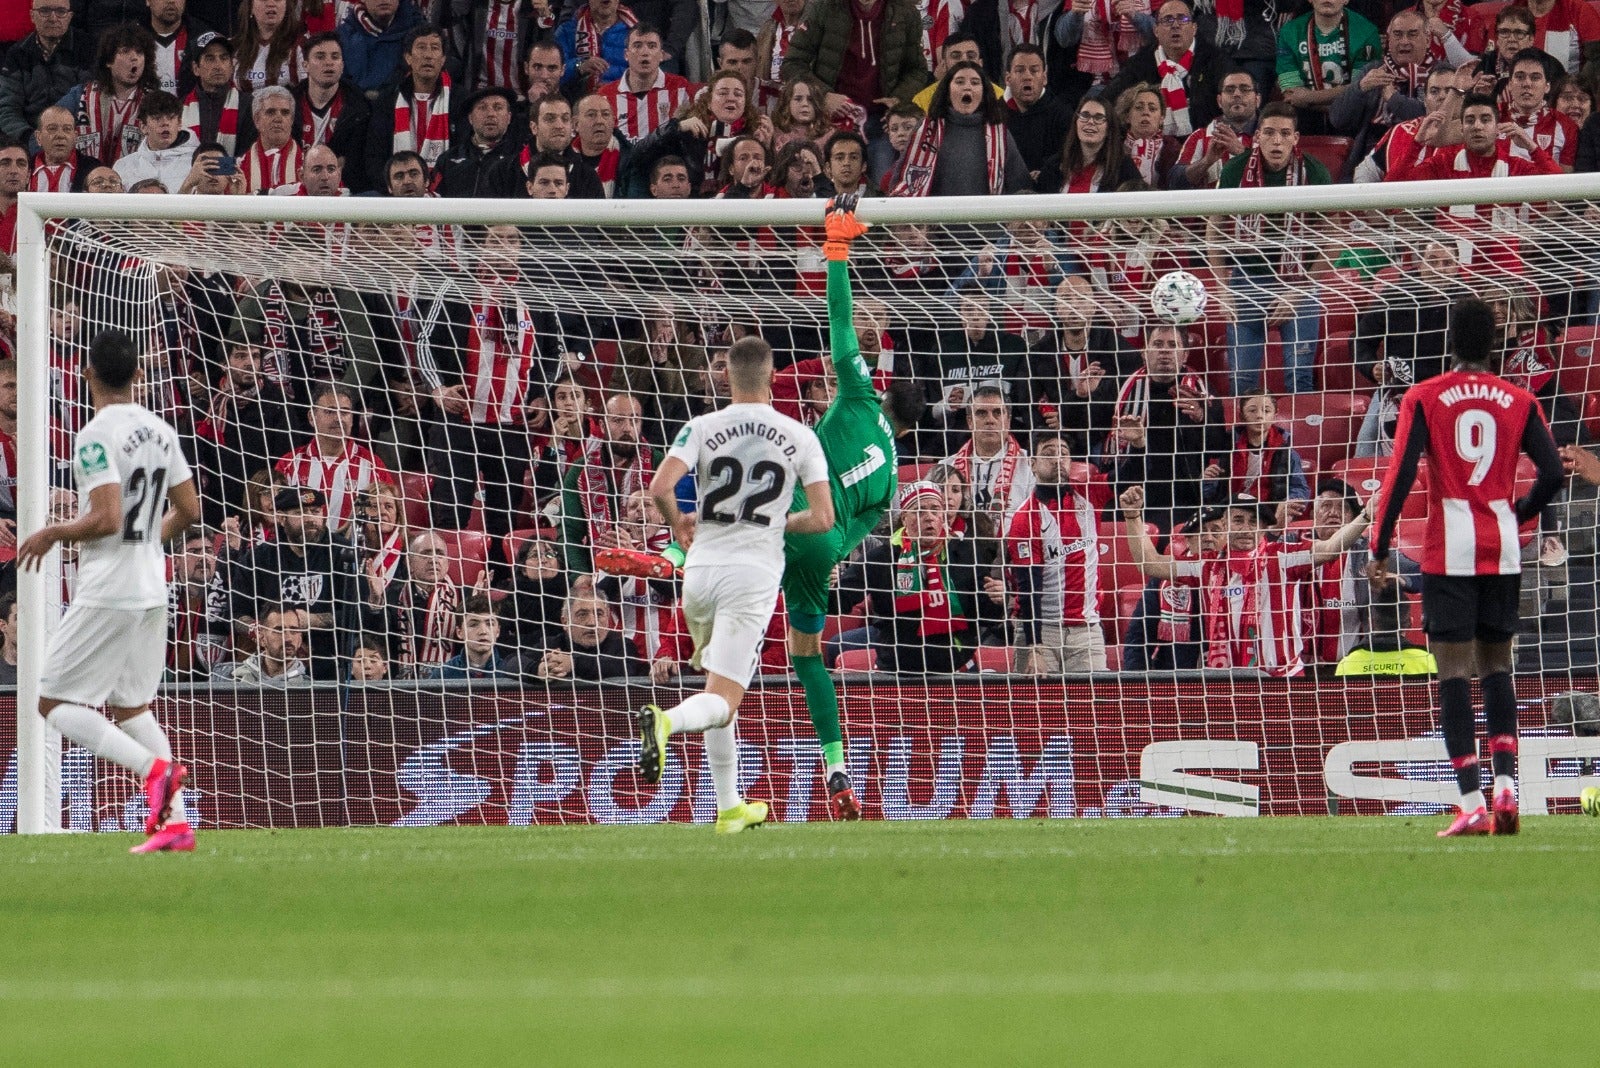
x,y
1550,130
639,113
1471,427
1335,620
1062,539
1280,575
341,477
1196,146
501,26
501,346
1223,583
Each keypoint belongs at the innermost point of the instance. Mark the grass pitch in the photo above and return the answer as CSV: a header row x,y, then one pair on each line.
x,y
1188,941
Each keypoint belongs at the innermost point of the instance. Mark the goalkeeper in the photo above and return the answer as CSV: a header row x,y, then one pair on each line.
x,y
858,433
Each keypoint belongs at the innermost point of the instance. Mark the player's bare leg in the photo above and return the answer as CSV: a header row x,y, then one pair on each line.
x,y
167,822
1500,716
711,712
822,701
1456,661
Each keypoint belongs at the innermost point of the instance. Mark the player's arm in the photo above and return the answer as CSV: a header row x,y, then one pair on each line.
x,y
185,510
1540,446
843,347
663,491
103,518
1343,538
818,514
1143,551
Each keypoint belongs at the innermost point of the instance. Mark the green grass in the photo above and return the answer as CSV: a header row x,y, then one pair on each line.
x,y
1181,941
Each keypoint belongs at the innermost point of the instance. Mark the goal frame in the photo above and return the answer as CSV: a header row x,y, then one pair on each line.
x,y
39,746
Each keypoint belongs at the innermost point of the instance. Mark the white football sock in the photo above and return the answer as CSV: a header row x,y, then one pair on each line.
x,y
1503,783
831,768
698,713
144,729
722,753
1472,802
100,736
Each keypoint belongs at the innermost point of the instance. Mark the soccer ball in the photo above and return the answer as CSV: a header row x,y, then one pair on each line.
x,y
1591,800
1179,298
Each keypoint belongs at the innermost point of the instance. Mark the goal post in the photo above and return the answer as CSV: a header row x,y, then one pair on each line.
x,y
686,261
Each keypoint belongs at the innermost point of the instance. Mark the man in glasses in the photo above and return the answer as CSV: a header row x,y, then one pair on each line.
x,y
42,68
1187,69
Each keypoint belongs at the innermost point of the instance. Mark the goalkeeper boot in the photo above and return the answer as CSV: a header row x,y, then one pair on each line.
x,y
176,838
160,787
634,564
842,797
654,730
742,817
1466,824
1506,820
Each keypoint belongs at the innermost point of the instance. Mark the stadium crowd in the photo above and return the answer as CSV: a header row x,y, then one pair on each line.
x,y
415,485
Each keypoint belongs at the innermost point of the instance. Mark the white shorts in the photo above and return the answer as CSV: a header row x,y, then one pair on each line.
x,y
106,656
728,608
1076,649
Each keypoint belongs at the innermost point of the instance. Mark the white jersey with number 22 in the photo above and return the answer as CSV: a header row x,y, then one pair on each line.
x,y
747,460
129,445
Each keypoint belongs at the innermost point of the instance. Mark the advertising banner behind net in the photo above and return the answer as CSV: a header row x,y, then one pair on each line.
x,y
974,750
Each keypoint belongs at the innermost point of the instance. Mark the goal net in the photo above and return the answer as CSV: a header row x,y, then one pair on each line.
x,y
423,431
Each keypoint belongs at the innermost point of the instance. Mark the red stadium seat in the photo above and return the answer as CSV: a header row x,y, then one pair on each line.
x,y
1328,150
469,554
1322,426
910,473
994,659
1117,569
414,489
858,660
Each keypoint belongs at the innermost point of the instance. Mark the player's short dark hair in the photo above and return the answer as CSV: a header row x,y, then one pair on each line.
x,y
749,362
159,104
1279,109
1472,330
904,402
113,358
1479,100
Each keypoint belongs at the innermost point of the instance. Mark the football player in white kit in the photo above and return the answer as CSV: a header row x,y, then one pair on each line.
x,y
110,648
746,459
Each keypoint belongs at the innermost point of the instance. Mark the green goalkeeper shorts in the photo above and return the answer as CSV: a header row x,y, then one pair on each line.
x,y
808,563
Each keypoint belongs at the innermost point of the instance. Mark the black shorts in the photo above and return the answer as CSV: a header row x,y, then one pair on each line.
x,y
1464,608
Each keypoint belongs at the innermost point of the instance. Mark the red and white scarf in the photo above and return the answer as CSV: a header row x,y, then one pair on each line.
x,y
1001,481
266,169
606,164
1252,463
434,122
227,124
1133,399
1017,24
1230,22
440,610
920,586
1174,75
782,33
1313,62
318,129
386,558
1409,77
1145,153
587,43
1248,228
108,128
916,170
604,487
1084,180
1108,40
1454,16
57,178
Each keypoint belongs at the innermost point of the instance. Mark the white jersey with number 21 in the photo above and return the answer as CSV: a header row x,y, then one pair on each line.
x,y
129,445
747,460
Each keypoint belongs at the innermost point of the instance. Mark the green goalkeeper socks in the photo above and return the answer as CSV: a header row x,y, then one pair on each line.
x,y
822,701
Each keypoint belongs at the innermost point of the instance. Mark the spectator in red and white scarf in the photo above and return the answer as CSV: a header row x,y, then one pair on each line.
x,y
594,45
596,137
166,151
1442,96
106,107
963,147
646,95
772,40
173,28
211,110
268,43
1140,110
1185,70
276,157
993,460
1527,105
376,35
1263,463
329,110
381,535
58,166
417,114
333,461
698,136
1092,156
485,165
616,464
418,610
1204,153
1386,93
197,621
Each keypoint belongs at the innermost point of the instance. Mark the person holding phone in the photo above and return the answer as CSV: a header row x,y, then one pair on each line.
x,y
213,172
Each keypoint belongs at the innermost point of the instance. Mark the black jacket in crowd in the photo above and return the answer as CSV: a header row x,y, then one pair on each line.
x,y
318,576
1205,76
1172,463
349,140
29,82
613,658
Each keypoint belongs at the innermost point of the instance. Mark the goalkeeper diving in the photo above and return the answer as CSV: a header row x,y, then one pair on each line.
x,y
857,434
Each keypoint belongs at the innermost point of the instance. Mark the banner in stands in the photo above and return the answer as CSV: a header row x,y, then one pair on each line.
x,y
976,750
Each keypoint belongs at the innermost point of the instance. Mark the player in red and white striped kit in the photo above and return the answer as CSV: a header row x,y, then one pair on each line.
x,y
1053,549
331,461
1472,426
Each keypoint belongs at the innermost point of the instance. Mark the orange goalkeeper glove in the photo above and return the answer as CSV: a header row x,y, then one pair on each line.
x,y
842,227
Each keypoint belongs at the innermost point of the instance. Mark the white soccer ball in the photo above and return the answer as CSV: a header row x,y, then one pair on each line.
x,y
1178,297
